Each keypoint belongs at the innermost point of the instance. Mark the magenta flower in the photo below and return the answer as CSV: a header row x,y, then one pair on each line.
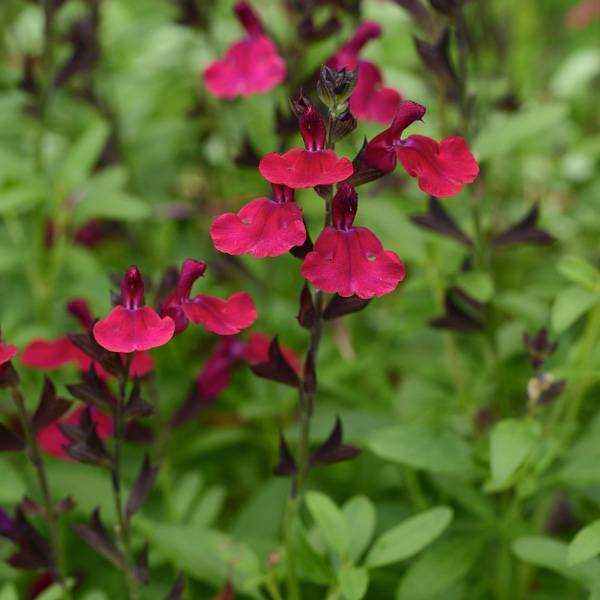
x,y
55,354
370,100
341,259
252,66
131,326
442,168
264,227
306,168
224,317
6,352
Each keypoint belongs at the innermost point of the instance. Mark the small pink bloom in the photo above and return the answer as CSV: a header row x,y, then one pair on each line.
x,y
6,352
52,440
55,354
131,326
306,168
340,261
251,66
370,100
264,227
442,168
224,317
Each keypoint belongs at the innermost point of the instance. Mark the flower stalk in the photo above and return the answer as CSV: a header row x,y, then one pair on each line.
x,y
34,455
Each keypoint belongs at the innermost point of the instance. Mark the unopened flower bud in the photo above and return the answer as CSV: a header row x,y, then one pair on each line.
x,y
335,87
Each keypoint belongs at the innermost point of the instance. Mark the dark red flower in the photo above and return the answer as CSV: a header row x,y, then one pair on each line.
x,y
306,168
52,440
442,168
6,352
131,326
55,354
340,261
224,317
264,227
251,66
370,100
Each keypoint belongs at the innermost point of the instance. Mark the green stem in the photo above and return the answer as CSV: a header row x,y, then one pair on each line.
x,y
292,583
123,523
33,452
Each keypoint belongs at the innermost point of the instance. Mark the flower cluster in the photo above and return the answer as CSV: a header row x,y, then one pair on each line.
x,y
345,259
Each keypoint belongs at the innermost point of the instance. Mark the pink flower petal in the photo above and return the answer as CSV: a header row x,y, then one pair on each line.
x,y
251,66
381,153
340,263
299,168
126,330
7,351
224,317
50,354
263,227
370,100
441,168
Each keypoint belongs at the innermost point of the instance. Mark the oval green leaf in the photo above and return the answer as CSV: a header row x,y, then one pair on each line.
x,y
409,537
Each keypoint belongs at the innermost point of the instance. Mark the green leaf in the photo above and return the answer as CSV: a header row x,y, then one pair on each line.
x,y
208,555
507,131
423,448
330,521
552,554
360,516
409,537
570,304
13,487
9,592
586,544
438,569
81,156
21,198
56,591
262,515
116,205
476,284
208,507
185,494
353,582
580,271
310,563
511,442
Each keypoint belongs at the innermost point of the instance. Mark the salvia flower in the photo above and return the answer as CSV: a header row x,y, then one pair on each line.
x,y
132,326
251,66
57,353
224,317
370,100
309,167
442,168
341,259
263,227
